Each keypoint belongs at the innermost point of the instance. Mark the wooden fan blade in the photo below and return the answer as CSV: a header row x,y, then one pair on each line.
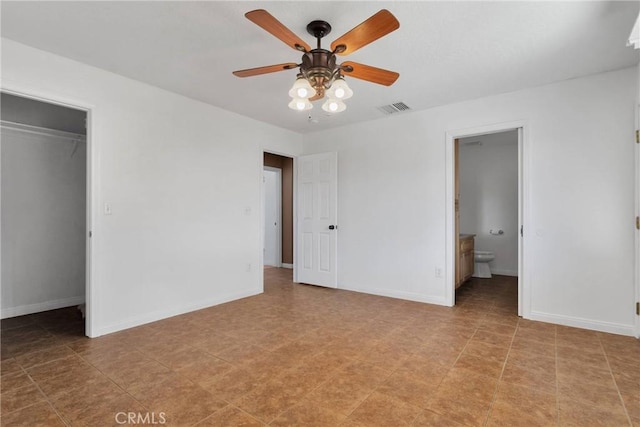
x,y
264,70
267,22
379,25
369,73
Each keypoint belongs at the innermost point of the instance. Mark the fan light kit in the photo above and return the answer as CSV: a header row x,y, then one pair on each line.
x,y
319,74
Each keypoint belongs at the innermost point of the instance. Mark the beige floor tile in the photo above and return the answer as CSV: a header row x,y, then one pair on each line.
x,y
302,355
233,384
9,366
432,419
308,414
465,411
364,373
19,398
340,394
577,414
267,401
56,367
480,365
531,405
230,416
381,410
542,380
404,386
15,380
39,414
463,384
508,415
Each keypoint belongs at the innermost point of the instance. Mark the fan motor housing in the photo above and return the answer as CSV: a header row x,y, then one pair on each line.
x,y
319,67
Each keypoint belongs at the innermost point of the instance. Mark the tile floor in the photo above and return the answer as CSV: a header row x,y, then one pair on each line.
x,y
308,356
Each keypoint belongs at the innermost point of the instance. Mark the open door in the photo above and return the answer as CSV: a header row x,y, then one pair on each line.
x,y
317,212
456,209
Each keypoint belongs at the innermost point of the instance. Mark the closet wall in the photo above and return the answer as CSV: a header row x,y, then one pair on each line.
x,y
43,191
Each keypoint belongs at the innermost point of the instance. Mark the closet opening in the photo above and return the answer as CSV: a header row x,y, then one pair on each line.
x,y
44,214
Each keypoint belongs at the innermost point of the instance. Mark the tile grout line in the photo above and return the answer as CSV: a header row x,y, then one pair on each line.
x,y
34,383
361,401
297,404
504,365
112,381
48,400
624,406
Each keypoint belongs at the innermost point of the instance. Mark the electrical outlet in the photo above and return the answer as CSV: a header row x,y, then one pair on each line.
x,y
248,268
107,209
438,272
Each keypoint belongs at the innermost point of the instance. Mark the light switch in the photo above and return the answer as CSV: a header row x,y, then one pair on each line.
x,y
107,209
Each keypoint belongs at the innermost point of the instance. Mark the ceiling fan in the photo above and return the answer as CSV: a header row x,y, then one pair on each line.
x,y
319,73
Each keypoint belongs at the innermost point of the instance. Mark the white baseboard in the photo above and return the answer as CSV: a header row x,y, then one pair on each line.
x,y
163,314
578,322
498,272
410,296
289,266
41,306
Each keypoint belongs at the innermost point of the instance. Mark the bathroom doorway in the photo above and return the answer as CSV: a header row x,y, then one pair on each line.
x,y
485,217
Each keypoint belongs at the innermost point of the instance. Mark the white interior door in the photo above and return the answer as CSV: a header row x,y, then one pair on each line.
x,y
317,209
272,223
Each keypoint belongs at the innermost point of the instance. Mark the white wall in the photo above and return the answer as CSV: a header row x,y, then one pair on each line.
x,y
183,180
489,197
43,221
579,246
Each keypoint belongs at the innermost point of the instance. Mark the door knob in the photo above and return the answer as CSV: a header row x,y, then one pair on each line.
x,y
332,227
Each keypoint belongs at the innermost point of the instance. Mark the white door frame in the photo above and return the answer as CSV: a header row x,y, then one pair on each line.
x,y
278,172
637,232
637,207
91,252
524,291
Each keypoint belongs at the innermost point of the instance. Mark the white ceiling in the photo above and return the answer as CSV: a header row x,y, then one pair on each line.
x,y
444,51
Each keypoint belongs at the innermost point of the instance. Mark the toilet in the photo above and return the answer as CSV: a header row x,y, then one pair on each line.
x,y
481,260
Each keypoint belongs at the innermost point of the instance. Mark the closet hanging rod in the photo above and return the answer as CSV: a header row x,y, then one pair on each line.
x,y
37,130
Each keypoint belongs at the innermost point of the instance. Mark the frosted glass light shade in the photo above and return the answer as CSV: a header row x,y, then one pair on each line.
x,y
340,90
333,105
301,89
300,104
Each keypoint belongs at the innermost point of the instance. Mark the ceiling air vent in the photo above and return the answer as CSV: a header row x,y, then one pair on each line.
x,y
396,107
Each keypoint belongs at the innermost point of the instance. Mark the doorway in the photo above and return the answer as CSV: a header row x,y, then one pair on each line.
x,y
45,206
487,201
487,213
278,203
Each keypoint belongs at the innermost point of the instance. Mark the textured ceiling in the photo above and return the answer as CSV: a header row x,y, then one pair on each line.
x,y
444,51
